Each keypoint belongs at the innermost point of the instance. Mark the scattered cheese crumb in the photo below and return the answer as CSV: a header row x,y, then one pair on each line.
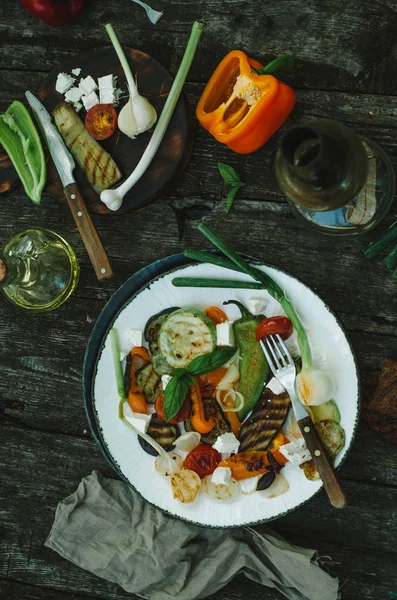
x,y
90,101
76,71
64,83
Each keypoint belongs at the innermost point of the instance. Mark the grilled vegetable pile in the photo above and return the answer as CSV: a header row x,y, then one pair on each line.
x,y
201,399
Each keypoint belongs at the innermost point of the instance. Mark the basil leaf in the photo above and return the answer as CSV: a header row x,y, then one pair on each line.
x,y
231,196
189,379
209,362
174,396
179,372
229,174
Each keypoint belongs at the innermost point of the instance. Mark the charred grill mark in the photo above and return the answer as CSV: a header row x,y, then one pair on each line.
x,y
265,421
95,167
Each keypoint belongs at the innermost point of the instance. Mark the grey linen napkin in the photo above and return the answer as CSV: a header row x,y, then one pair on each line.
x,y
105,527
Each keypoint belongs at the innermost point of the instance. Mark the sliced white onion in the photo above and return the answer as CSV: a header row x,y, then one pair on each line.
x,y
279,486
168,465
233,394
314,387
220,491
231,377
188,441
290,427
248,486
185,485
155,445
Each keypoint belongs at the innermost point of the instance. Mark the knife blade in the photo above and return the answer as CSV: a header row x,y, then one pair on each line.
x,y
64,164
63,160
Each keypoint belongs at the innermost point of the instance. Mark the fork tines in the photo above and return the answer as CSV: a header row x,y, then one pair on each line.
x,y
276,352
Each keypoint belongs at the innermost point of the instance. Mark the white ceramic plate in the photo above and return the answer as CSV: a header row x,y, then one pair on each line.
x,y
331,350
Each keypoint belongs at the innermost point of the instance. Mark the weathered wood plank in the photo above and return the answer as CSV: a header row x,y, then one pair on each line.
x,y
338,46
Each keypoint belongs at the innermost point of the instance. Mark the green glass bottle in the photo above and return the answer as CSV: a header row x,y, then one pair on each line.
x,y
336,181
38,270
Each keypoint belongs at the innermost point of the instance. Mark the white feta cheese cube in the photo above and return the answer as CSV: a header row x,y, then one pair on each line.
x,y
90,101
188,441
76,71
296,452
134,337
106,82
227,444
88,85
257,305
221,476
140,421
106,96
248,486
77,106
225,334
64,83
73,95
275,386
165,379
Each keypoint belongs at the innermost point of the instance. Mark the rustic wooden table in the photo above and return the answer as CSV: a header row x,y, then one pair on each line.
x,y
346,70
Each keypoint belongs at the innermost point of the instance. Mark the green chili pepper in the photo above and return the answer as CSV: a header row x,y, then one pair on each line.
x,y
254,370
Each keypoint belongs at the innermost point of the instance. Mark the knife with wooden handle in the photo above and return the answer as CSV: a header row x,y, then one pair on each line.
x,y
65,165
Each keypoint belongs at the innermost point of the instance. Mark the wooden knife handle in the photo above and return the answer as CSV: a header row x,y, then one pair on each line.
x,y
323,463
88,233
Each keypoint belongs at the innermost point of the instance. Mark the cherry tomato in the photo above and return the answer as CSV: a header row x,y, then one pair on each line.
x,y
280,325
203,460
181,415
217,315
101,121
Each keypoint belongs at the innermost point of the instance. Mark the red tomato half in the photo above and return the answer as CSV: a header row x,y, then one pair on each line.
x,y
280,325
181,415
101,121
203,460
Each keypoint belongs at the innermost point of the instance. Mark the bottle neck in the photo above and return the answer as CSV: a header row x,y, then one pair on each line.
x,y
12,271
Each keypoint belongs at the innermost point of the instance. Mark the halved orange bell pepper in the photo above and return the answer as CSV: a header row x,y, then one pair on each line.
x,y
250,464
198,420
241,108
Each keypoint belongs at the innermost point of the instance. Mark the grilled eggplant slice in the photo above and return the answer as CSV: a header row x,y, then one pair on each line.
x,y
266,419
163,433
150,382
151,333
98,166
212,409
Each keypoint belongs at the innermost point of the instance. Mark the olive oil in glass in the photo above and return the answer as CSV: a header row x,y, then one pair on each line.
x,y
337,182
38,270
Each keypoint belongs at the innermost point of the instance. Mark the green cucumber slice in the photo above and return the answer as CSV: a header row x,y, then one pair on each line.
x,y
325,412
185,334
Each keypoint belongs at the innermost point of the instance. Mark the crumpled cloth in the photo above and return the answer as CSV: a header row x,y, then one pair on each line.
x,y
105,527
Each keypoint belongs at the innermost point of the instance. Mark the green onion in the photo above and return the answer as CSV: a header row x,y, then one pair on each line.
x,y
114,197
391,259
212,259
271,286
376,247
118,371
203,282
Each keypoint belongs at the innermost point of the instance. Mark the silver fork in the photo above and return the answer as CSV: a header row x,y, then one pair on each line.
x,y
284,370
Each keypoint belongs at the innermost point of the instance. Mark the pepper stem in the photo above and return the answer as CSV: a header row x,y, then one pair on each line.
x,y
285,62
245,313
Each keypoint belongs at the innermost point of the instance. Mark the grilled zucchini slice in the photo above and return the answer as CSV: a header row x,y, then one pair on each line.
x,y
185,334
150,383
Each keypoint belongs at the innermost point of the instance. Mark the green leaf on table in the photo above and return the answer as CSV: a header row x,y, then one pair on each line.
x,y
229,174
231,196
231,177
209,362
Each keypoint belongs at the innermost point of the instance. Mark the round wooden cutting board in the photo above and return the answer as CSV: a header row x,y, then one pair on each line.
x,y
154,82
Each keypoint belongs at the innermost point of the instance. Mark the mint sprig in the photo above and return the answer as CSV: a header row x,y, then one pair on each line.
x,y
232,178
